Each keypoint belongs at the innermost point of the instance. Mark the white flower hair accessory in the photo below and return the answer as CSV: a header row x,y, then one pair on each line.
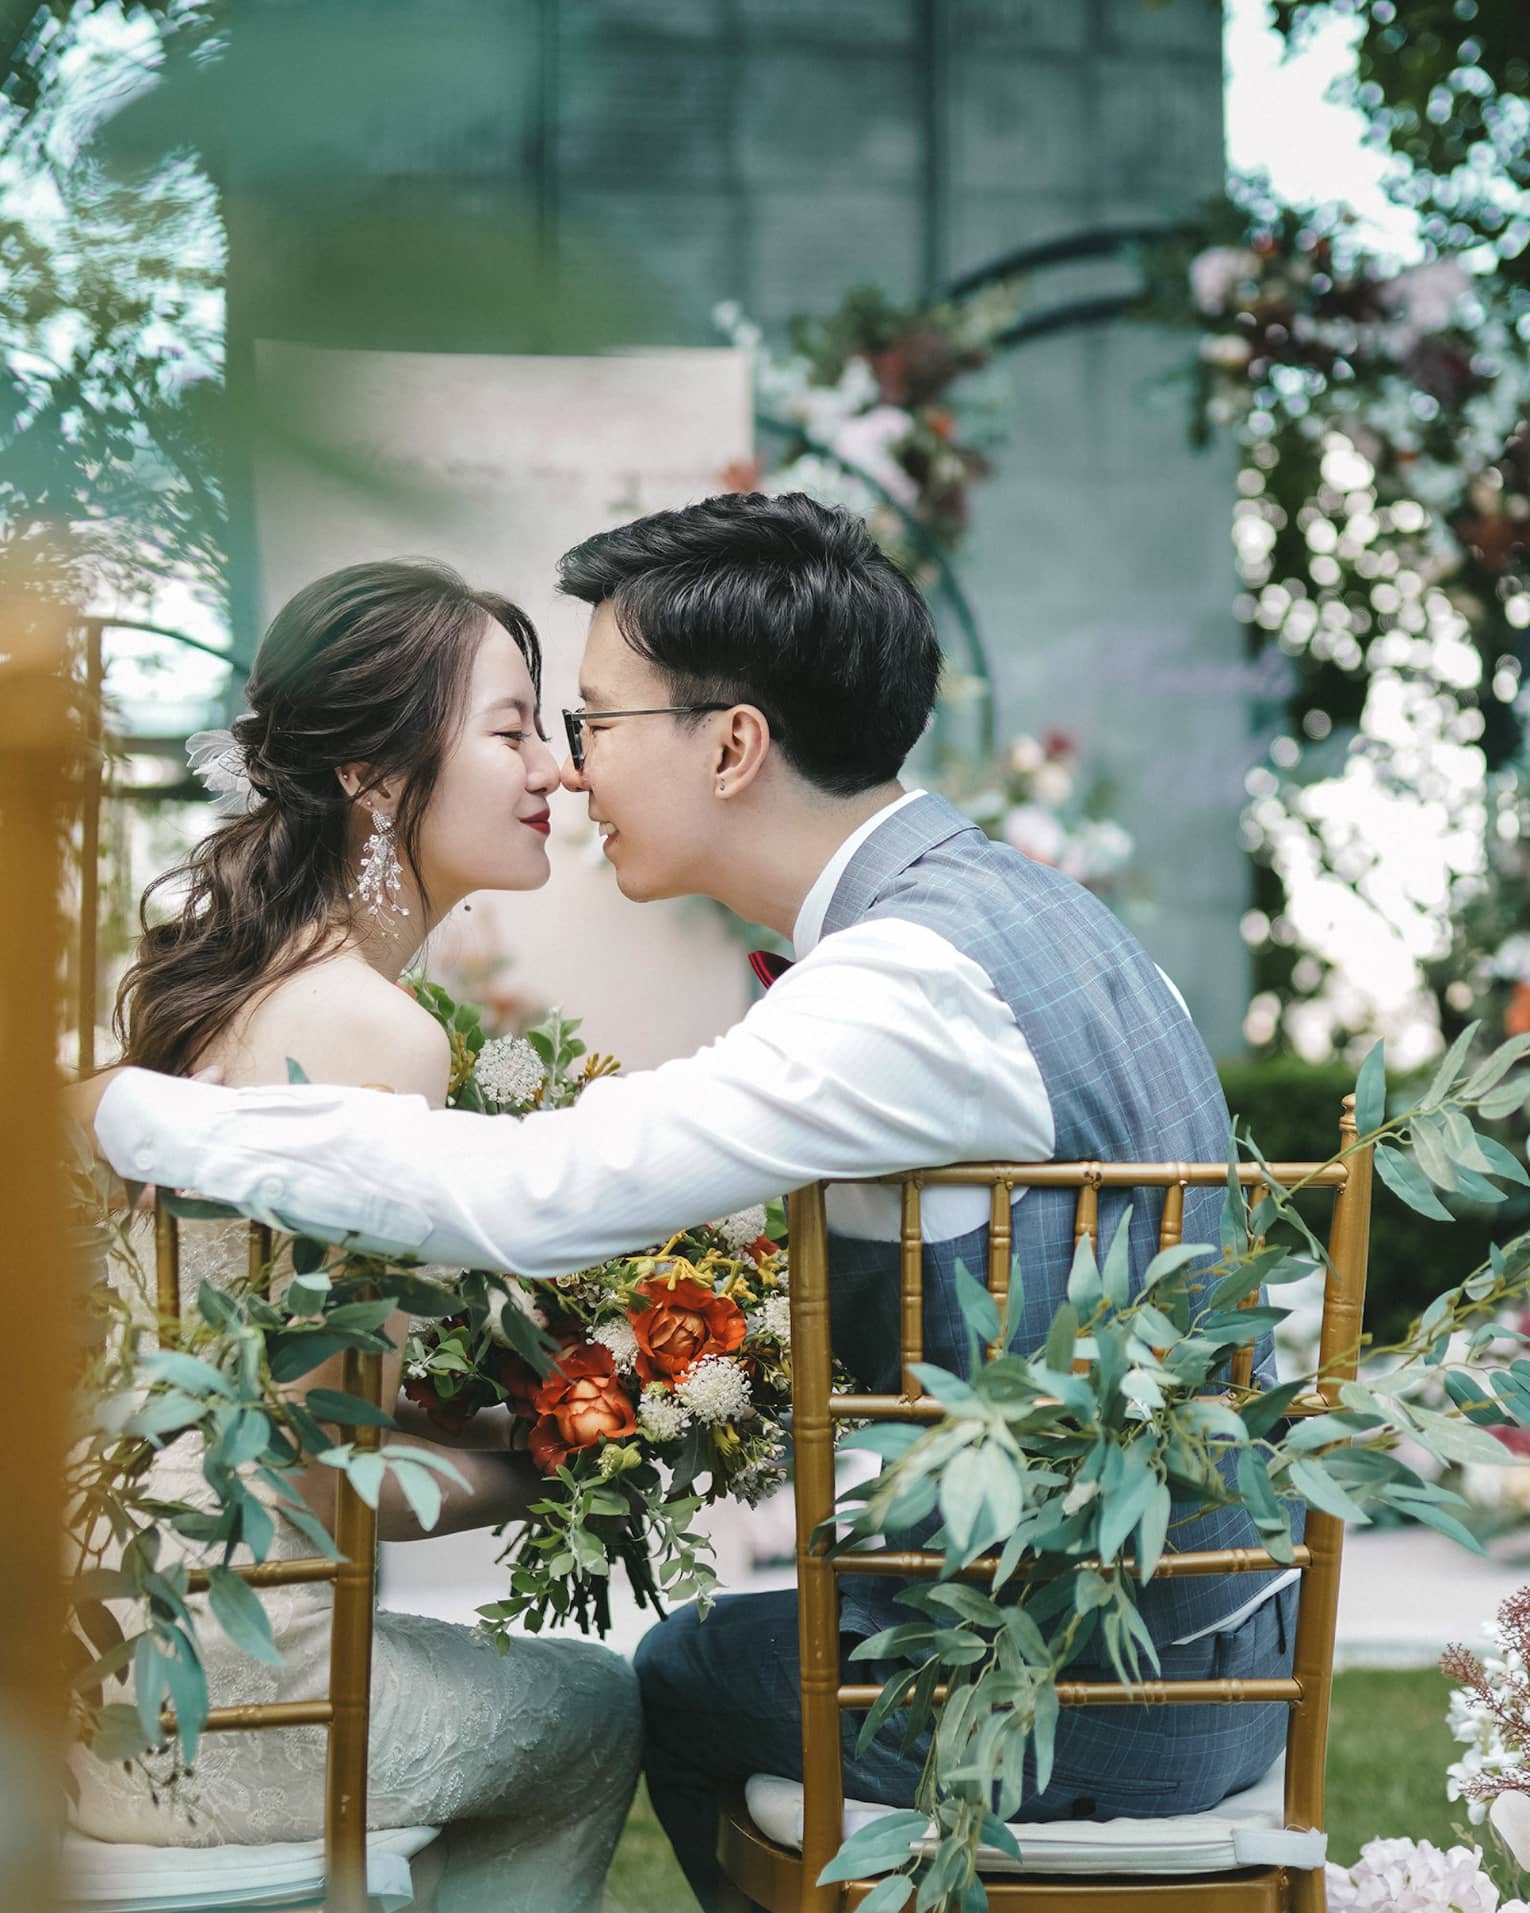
x,y
217,760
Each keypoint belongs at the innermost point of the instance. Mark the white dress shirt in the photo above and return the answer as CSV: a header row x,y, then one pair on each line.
x,y
883,1048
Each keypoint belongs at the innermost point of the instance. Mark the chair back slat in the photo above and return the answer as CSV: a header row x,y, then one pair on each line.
x,y
346,1710
1171,1224
1338,1360
1086,1214
911,1286
260,1258
167,1273
1000,1251
350,1664
1241,1373
1317,1558
817,1595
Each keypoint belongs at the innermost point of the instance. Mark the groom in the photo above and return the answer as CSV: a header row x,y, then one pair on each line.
x,y
755,675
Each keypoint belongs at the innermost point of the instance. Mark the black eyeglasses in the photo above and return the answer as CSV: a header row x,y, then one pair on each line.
x,y
573,722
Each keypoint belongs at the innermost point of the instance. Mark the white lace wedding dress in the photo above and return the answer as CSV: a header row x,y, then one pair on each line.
x,y
527,1759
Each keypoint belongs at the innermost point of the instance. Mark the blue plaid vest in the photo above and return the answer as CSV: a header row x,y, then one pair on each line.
x,y
1129,1079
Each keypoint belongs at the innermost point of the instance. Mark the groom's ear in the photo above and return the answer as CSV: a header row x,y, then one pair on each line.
x,y
742,744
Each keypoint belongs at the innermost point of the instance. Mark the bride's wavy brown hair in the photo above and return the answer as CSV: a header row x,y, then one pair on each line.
x,y
369,665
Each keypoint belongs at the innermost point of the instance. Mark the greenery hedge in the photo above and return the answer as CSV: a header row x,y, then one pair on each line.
x,y
1292,1110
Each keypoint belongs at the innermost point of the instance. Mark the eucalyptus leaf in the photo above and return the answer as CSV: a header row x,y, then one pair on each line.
x,y
1506,1100
1461,1141
238,1611
979,1310
961,1497
149,1685
1084,1285
1501,1161
1152,1531
188,1372
1116,1272
308,1258
1170,1262
876,1848
333,1404
423,1492
1405,1182
1496,1066
1426,1134
1450,1065
1371,1091
1061,1339
1317,1487
188,1695
888,1895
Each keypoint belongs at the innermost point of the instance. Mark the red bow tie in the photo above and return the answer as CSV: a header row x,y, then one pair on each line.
x,y
767,966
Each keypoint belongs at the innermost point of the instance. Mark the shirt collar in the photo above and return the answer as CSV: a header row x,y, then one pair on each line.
x,y
808,928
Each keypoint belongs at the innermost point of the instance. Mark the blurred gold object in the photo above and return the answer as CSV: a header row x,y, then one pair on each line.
x,y
41,731
346,1709
755,1869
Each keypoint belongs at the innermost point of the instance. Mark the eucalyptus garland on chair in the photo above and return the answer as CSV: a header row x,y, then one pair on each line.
x,y
1060,1467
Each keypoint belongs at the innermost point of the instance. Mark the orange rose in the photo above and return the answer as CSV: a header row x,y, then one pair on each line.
x,y
685,1322
1517,1017
581,1403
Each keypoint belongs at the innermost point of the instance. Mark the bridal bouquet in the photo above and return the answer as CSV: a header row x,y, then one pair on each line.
x,y
642,1387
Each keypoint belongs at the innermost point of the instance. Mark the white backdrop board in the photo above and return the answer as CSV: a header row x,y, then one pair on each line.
x,y
497,465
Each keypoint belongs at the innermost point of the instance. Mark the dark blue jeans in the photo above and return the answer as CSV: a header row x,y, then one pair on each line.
x,y
720,1702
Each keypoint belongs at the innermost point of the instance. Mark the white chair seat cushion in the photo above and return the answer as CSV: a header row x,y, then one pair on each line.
x,y
1246,1829
113,1878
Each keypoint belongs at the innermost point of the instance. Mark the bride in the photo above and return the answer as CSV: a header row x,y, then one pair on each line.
x,y
394,761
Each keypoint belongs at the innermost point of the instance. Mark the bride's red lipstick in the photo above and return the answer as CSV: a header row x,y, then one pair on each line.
x,y
542,822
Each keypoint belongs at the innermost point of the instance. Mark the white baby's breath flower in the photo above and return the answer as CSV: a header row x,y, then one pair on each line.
x,y
715,1390
508,1072
774,1318
416,1371
514,1296
660,1416
742,1227
621,1339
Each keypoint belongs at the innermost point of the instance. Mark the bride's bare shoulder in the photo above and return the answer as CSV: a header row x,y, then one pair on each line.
x,y
343,1023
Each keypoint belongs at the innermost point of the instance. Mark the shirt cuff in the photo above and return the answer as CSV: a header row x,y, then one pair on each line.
x,y
150,1127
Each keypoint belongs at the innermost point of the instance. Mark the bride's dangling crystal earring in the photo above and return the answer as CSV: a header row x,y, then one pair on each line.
x,y
380,878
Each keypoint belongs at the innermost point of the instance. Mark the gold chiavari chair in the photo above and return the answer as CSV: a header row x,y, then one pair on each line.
x,y
190,1879
766,1865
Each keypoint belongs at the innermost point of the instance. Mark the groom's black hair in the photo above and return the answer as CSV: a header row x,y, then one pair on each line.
x,y
781,603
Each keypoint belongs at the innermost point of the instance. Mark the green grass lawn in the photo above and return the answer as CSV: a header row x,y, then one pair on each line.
x,y
1387,1753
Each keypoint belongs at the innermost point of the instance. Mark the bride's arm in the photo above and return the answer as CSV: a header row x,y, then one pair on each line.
x,y
500,1487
